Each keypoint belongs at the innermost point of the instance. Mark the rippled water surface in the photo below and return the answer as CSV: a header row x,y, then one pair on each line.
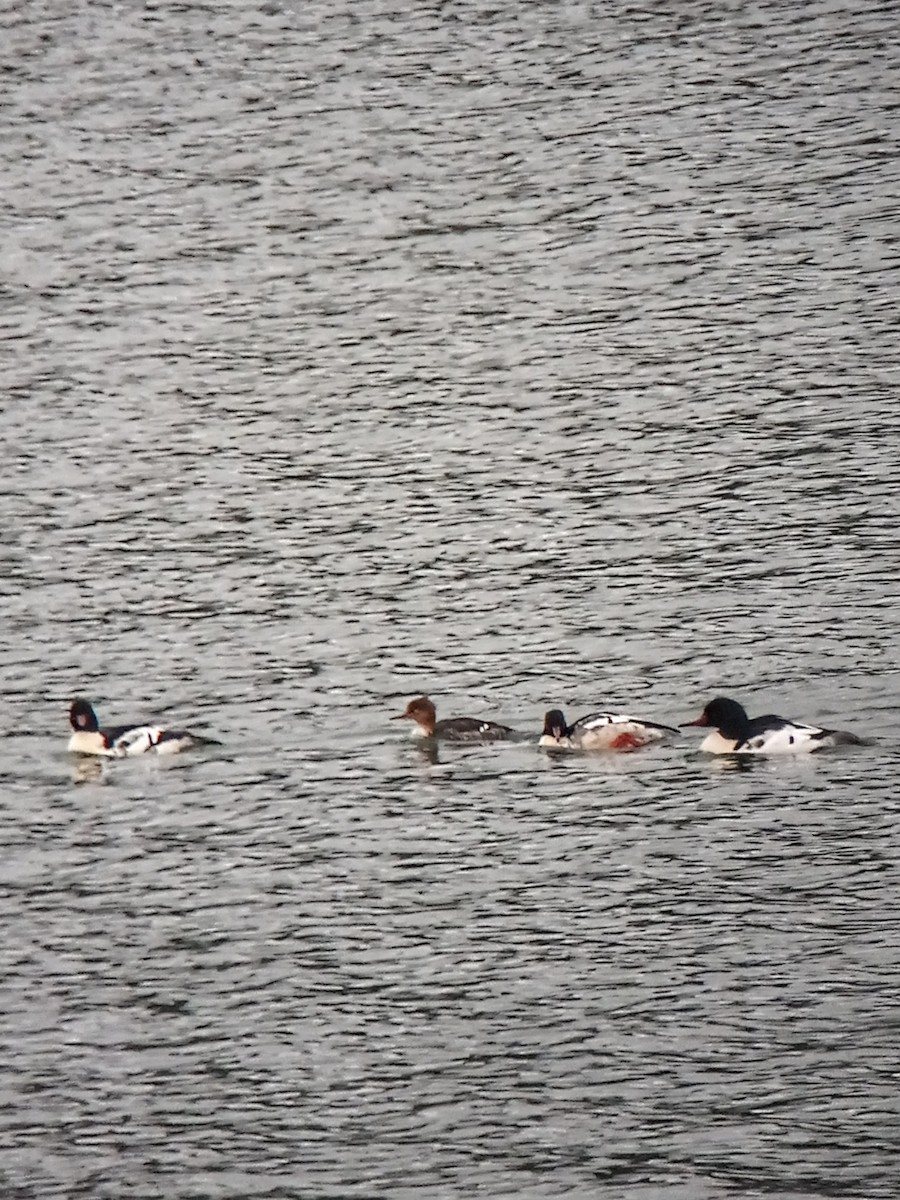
x,y
528,355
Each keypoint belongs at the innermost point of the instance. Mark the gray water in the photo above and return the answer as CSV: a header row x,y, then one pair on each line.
x,y
528,355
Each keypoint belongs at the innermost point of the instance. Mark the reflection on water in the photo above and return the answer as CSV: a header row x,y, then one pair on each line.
x,y
89,770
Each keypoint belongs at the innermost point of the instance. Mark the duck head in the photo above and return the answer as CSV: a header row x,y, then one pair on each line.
x,y
82,716
727,716
420,710
555,726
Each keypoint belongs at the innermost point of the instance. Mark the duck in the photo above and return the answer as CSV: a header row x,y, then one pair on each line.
x,y
452,729
733,732
125,741
600,731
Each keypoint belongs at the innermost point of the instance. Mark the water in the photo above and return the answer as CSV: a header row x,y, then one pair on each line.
x,y
527,355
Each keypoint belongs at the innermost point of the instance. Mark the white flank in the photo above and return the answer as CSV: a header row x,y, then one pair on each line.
x,y
136,741
614,731
174,745
792,739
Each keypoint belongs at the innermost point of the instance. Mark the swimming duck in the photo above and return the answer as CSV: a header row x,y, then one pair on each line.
x,y
452,729
124,741
600,731
736,733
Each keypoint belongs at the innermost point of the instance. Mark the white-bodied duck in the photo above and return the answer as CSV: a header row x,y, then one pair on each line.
x,y
733,732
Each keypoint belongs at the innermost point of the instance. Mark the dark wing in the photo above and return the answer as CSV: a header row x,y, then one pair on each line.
x,y
116,731
113,733
137,740
767,724
772,724
189,739
772,734
661,728
174,735
470,729
599,720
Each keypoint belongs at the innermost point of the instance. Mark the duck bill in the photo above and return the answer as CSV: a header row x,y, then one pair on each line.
x,y
400,716
703,719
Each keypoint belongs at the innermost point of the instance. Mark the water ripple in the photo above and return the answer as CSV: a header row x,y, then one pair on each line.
x,y
524,356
